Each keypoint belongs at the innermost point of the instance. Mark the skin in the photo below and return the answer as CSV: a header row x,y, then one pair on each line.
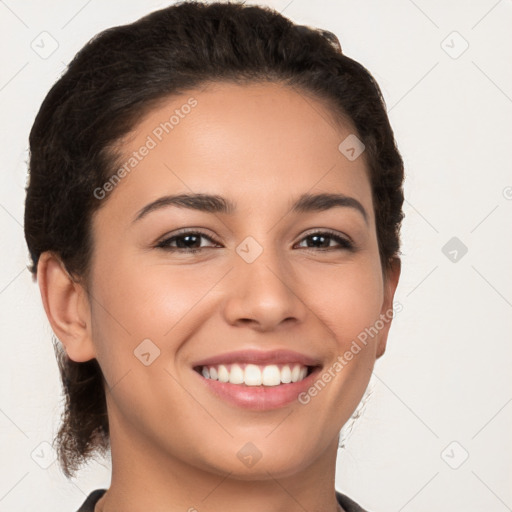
x,y
174,444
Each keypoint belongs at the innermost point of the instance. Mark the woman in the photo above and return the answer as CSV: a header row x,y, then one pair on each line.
x,y
213,218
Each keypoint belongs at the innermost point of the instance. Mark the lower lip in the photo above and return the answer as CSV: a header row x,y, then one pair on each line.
x,y
259,397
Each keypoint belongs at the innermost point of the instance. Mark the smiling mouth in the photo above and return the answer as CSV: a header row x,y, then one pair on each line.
x,y
246,374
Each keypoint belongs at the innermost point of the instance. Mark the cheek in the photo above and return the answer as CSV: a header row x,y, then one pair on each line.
x,y
168,304
155,302
345,299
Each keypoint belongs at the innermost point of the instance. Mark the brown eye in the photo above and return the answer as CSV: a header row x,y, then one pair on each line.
x,y
322,241
187,241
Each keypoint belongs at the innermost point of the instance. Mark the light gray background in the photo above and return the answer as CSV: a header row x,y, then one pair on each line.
x,y
442,391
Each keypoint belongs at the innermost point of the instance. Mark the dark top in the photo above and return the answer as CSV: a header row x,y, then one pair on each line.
x,y
88,505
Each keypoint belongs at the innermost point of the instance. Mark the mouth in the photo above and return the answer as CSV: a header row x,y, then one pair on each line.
x,y
257,380
252,375
256,387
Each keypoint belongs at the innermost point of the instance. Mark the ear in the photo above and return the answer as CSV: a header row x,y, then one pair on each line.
x,y
67,308
390,284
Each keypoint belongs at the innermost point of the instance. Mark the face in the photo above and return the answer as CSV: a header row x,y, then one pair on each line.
x,y
174,285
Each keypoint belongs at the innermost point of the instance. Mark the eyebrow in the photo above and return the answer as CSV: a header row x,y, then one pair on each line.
x,y
217,204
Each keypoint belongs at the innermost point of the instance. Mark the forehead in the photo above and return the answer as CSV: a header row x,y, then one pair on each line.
x,y
259,142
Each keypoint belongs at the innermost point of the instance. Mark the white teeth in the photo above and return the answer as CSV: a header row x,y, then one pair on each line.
x,y
223,373
286,375
254,375
236,376
295,373
271,376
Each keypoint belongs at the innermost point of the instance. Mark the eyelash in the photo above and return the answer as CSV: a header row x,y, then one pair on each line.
x,y
344,243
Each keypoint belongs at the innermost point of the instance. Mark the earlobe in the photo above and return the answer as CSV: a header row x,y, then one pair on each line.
x,y
66,307
390,286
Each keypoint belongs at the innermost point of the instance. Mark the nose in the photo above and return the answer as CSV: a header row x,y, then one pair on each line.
x,y
263,294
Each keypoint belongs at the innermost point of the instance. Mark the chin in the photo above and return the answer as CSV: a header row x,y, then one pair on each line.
x,y
253,461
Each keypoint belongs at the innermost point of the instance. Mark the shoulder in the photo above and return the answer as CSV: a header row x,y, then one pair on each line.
x,y
92,499
348,504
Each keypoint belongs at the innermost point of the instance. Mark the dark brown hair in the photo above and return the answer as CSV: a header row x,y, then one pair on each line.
x,y
120,75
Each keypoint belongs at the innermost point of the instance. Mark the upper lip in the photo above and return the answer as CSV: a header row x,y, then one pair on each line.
x,y
280,356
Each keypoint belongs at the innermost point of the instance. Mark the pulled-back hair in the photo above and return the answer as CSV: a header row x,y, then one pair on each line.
x,y
124,72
